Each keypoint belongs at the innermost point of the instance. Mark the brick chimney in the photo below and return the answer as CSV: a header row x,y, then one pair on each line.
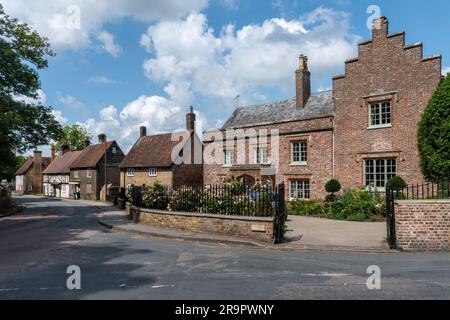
x,y
302,82
190,120
101,138
380,28
52,152
37,161
65,148
142,131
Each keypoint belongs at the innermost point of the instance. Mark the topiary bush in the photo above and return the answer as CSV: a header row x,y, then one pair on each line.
x,y
396,183
434,134
333,186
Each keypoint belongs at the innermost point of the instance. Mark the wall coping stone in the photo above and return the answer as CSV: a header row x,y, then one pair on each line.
x,y
205,215
437,201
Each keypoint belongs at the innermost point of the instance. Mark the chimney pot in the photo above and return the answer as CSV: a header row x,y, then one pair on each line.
x,y
302,82
102,138
65,148
52,152
190,119
143,131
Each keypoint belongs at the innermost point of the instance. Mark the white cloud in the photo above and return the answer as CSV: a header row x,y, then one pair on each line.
x,y
55,19
191,61
230,4
156,113
108,44
445,70
71,102
59,117
101,79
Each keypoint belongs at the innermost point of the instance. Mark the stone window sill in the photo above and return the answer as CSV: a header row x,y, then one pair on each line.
x,y
385,126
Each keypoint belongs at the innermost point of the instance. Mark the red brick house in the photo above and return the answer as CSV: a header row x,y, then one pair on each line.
x,y
95,168
29,175
362,132
151,159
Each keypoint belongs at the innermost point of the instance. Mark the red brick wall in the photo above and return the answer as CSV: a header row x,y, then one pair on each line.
x,y
319,135
384,70
423,225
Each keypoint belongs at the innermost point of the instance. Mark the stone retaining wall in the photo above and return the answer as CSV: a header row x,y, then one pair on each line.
x,y
423,224
257,228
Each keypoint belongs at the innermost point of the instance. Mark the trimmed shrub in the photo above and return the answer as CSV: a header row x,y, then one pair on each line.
x,y
396,183
333,186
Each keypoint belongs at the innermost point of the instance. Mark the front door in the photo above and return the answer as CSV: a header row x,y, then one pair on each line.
x,y
247,180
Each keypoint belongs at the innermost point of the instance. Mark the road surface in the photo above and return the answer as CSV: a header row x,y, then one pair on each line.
x,y
39,244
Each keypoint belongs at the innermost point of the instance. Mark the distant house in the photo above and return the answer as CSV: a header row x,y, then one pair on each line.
x,y
29,176
56,176
96,169
151,159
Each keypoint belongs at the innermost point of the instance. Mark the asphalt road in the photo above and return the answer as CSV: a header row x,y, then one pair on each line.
x,y
38,245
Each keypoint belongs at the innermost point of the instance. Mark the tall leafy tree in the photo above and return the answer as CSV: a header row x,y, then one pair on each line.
x,y
24,122
434,134
75,136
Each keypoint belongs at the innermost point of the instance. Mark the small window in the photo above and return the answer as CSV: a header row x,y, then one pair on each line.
x,y
88,174
299,189
260,156
299,152
228,158
89,188
75,174
114,150
153,172
378,171
130,172
380,114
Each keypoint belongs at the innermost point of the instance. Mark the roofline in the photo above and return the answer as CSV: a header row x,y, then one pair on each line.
x,y
332,115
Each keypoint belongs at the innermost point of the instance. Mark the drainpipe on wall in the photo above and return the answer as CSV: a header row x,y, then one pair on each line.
x,y
334,148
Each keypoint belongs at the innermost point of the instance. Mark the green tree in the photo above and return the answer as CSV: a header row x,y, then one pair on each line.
x,y
75,136
24,122
434,134
8,171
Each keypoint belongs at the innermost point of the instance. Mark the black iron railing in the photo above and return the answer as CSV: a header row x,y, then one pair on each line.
x,y
234,199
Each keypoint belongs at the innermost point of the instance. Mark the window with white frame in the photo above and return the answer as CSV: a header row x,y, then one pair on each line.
x,y
299,152
378,171
260,156
299,189
152,172
114,150
228,158
130,172
88,174
380,114
75,174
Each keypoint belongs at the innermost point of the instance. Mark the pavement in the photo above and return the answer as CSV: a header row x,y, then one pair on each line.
x,y
318,234
304,234
40,243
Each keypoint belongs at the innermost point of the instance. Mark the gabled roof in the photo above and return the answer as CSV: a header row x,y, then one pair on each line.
x,y
90,156
62,163
25,167
151,151
319,104
29,163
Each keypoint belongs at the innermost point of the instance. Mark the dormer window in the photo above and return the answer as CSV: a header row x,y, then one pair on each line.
x,y
380,115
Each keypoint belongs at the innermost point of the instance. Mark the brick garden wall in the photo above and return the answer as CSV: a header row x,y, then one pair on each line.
x,y
423,224
244,227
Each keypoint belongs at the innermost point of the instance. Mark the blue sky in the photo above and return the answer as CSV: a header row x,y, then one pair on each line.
x,y
138,62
